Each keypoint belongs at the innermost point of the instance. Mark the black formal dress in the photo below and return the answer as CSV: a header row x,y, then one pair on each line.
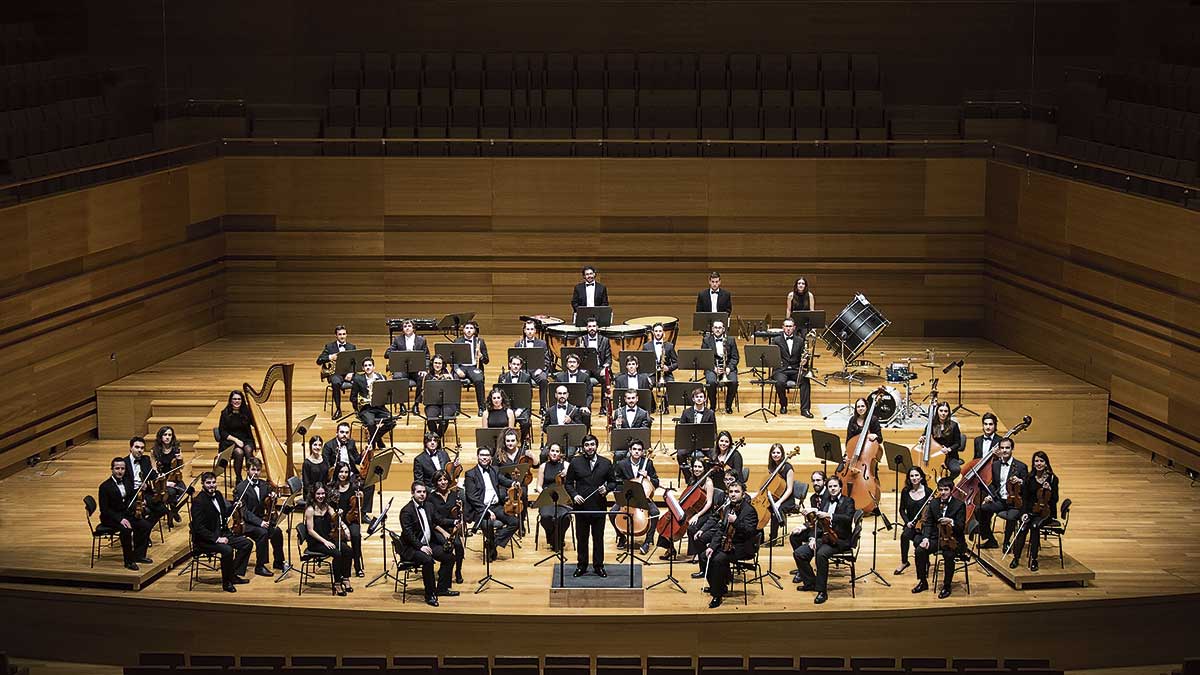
x,y
1033,529
706,530
790,352
342,498
854,428
337,382
788,505
745,543
728,352
909,510
333,453
238,426
264,534
417,530
555,527
951,438
584,476
339,553
443,517
210,514
314,473
114,506
842,521
438,415
522,415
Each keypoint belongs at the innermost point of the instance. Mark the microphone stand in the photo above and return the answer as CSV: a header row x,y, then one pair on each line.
x,y
959,406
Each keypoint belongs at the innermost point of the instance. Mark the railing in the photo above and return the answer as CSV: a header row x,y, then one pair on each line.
x,y
1145,185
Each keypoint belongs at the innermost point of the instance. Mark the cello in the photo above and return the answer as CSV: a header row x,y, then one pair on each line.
x,y
673,524
928,453
633,522
772,489
858,471
977,474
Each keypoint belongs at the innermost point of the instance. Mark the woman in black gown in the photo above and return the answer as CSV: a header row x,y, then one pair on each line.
x,y
800,299
548,474
855,426
345,487
437,417
445,497
1041,476
320,521
316,469
912,498
234,431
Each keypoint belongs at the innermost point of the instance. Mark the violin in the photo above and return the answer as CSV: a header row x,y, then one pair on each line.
x,y
271,504
238,524
1043,496
454,468
527,460
1013,486
513,504
858,471
946,539
821,532
727,545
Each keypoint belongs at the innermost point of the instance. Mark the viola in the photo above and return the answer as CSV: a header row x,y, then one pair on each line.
x,y
821,532
858,472
1043,496
1013,487
946,539
977,473
727,545
513,504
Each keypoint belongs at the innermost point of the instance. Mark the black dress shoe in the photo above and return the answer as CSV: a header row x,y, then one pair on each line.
x,y
601,573
579,571
336,414
697,575
715,602
783,410
821,598
621,542
262,571
1033,565
448,593
145,560
131,566
228,587
1015,563
403,410
667,556
645,548
431,601
943,594
806,413
458,578
359,573
807,588
921,586
728,411
990,543
797,579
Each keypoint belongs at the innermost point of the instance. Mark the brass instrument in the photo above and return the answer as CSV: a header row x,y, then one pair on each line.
x,y
328,368
719,362
364,401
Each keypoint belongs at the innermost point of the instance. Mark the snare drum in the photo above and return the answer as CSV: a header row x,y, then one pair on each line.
x,y
562,335
899,372
670,325
888,405
629,336
542,322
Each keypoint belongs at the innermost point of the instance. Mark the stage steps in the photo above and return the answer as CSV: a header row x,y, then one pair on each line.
x,y
184,415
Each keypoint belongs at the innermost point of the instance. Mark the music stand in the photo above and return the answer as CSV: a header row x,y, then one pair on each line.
x,y
765,357
350,361
287,508
409,362
693,437
631,494
387,394
589,360
702,321
487,438
680,393
451,324
577,392
812,319
443,393
697,360
619,439
566,435
454,353
301,430
645,362
602,313
531,356
959,406
221,461
520,397
827,447
899,460
377,472
554,495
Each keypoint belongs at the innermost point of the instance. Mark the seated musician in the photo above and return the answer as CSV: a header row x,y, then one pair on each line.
x,y
377,420
472,370
698,413
554,520
696,472
432,460
785,503
448,517
1039,505
592,339
951,514
630,378
635,465
517,374
485,494
253,491
711,526
234,431
573,373
168,459
139,469
589,479
422,543
800,299
742,543
728,455
835,513
996,502
509,452
725,352
565,412
983,443
791,352
859,419
714,298
817,489
344,491
342,448
947,434
500,414
438,415
912,499
316,468
116,511
630,415
666,359
329,355
326,533
210,533
589,292
409,341
539,375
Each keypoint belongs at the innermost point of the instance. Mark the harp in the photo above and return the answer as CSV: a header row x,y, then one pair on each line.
x,y
276,456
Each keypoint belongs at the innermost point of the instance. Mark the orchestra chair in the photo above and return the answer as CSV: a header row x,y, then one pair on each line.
x,y
743,569
327,398
850,558
405,569
312,563
962,561
737,398
99,530
209,561
1057,527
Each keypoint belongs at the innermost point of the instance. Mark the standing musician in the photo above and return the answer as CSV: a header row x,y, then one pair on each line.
x,y
698,413
116,511
635,465
316,468
254,491
800,299
859,419
551,471
423,544
485,492
912,498
329,354
516,374
946,433
234,430
539,375
432,460
138,469
472,370
1039,505
438,416
665,356
564,412
344,488
630,378
168,459
740,544
327,534
837,510
371,416
592,339
989,440
714,298
588,480
944,511
725,352
728,455
995,499
571,372
786,503
445,497
589,292
409,341
210,533
791,351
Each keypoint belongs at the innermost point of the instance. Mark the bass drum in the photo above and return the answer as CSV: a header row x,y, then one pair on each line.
x,y
888,407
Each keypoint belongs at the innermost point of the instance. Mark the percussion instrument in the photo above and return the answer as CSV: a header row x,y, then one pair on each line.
x,y
422,325
767,334
899,371
629,336
542,322
855,328
562,335
889,405
670,325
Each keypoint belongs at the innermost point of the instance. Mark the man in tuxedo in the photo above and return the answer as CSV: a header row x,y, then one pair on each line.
x,y
564,412
664,353
816,494
989,440
698,413
432,459
726,352
588,481
538,374
409,341
573,373
138,469
517,374
343,448
791,349
948,511
420,542
253,491
592,339
631,415
210,533
741,514
589,292
634,465
714,298
995,501
837,510
337,382
115,497
485,491
630,378
472,370
372,416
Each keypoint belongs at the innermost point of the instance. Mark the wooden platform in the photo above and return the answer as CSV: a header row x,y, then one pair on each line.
x,y
1051,571
592,591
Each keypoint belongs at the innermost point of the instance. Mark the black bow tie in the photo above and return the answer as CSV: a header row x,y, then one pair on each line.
x,y
591,283
562,407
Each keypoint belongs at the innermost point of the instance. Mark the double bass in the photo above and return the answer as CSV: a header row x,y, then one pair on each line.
x,y
858,472
928,453
673,524
770,492
977,473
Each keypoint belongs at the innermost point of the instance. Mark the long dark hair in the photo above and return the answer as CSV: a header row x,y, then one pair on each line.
x,y
1045,458
771,463
924,479
504,402
161,448
229,404
940,429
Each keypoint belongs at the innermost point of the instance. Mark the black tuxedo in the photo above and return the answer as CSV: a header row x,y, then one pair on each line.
x,y
988,510
503,525
539,374
414,380
691,416
954,461
522,377
623,471
669,355
624,381
641,418
261,532
581,375
574,415
842,522
731,366
209,522
582,480
113,508
144,465
474,373
790,370
956,511
412,538
603,351
424,468
372,416
745,543
332,348
724,301
332,455
337,382
579,296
